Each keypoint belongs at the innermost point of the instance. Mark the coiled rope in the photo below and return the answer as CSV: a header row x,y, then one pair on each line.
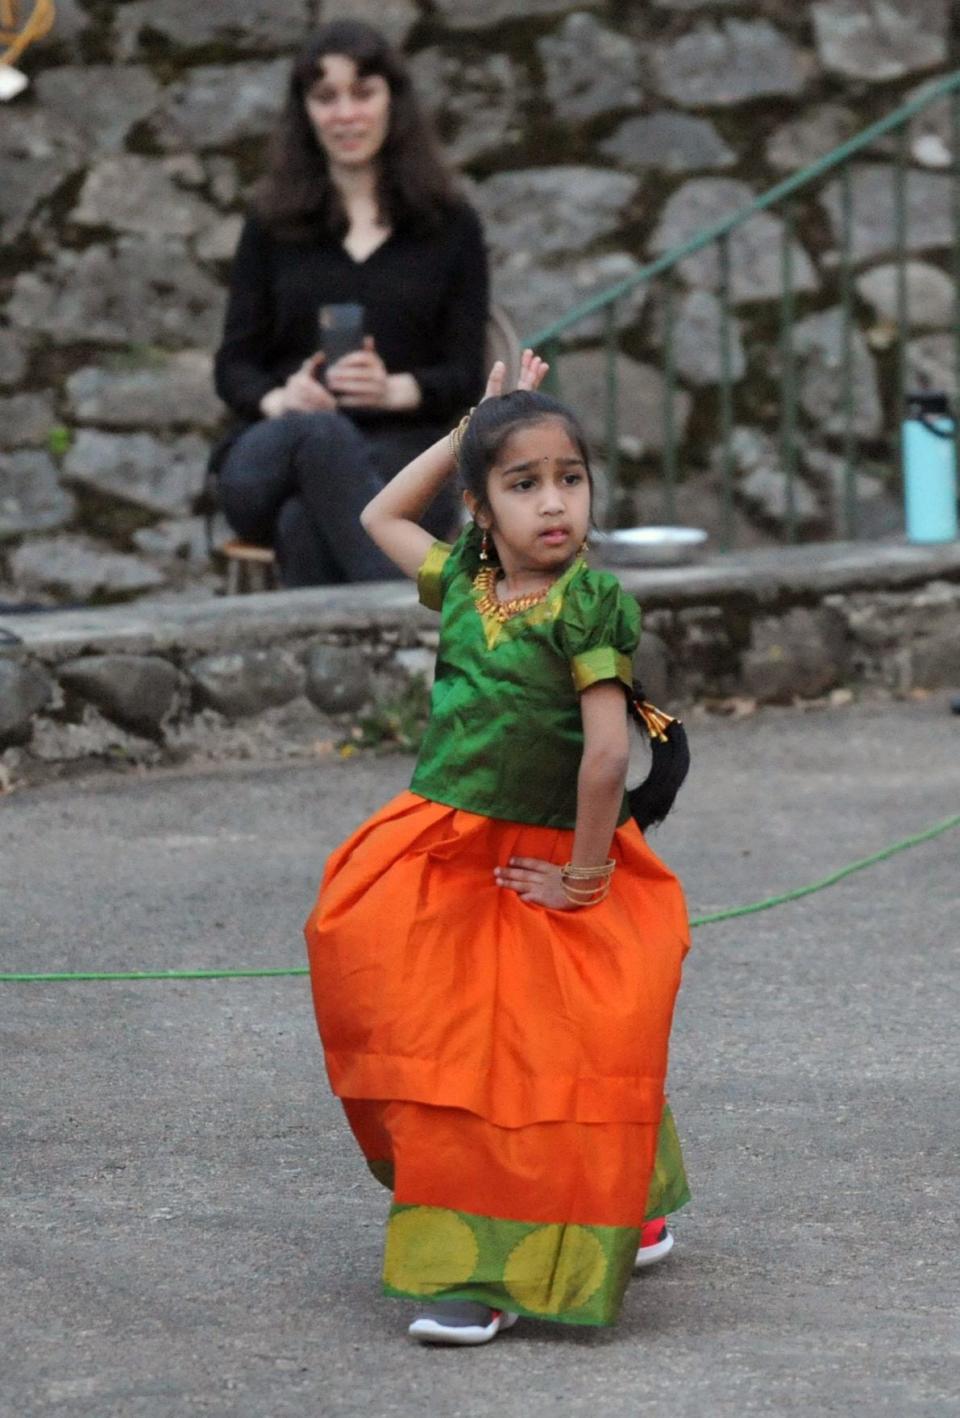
x,y
767,904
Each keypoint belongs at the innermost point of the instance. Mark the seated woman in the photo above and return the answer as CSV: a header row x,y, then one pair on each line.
x,y
356,206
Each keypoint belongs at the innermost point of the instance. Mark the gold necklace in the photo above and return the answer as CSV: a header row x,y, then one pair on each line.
x,y
484,584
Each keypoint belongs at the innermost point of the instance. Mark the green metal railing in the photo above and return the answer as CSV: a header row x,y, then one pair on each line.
x,y
664,270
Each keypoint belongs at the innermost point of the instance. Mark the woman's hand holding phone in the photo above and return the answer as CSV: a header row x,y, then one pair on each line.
x,y
303,393
359,380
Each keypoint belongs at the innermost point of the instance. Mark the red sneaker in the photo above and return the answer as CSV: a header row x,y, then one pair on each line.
x,y
656,1243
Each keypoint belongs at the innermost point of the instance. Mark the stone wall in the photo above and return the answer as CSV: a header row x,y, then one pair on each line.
x,y
305,672
591,136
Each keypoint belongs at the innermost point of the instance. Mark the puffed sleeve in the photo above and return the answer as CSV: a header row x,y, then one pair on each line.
x,y
443,563
599,630
430,579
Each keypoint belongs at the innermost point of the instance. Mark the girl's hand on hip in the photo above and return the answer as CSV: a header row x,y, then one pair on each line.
x,y
533,371
535,881
302,394
360,380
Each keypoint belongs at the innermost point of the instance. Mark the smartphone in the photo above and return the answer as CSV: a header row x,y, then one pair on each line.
x,y
340,332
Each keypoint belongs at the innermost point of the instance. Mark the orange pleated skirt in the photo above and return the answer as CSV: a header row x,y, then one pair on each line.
x,y
502,1065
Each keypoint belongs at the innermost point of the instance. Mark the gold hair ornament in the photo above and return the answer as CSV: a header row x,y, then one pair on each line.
x,y
655,720
456,434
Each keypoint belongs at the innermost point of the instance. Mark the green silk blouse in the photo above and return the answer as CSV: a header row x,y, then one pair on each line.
x,y
505,736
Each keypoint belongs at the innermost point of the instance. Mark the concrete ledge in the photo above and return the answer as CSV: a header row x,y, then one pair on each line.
x,y
772,626
232,622
789,575
797,573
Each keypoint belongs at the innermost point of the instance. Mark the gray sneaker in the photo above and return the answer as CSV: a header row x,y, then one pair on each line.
x,y
459,1322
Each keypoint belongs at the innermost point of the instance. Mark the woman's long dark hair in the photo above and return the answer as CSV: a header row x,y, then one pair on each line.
x,y
296,197
491,425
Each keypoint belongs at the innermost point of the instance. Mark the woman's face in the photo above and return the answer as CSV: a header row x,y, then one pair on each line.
x,y
349,113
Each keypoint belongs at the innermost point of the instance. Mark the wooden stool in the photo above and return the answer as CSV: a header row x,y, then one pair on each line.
x,y
249,568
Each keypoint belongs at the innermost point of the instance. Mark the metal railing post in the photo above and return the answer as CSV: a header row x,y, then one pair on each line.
x,y
900,239
846,395
550,351
788,372
669,422
726,395
955,171
611,391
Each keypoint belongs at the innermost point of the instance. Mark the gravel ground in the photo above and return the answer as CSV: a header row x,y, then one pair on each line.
x,y
188,1229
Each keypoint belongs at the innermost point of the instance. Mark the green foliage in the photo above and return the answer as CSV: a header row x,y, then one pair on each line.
x,y
395,724
134,357
59,439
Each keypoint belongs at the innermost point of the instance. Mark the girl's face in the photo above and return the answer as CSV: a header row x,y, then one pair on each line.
x,y
349,113
538,500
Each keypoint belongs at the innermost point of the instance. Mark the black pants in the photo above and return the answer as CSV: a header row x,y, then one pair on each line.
x,y
299,484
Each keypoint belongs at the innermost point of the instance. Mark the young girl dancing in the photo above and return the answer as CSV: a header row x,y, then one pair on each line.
x,y
495,954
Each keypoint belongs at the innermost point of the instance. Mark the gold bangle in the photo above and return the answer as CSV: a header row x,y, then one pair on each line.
x,y
569,872
585,890
584,896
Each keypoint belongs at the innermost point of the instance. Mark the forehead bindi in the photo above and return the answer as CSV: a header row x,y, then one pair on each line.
x,y
547,440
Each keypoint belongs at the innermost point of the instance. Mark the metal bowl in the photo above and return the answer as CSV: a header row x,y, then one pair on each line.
x,y
649,546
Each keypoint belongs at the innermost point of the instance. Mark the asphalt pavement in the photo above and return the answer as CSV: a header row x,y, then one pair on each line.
x,y
187,1228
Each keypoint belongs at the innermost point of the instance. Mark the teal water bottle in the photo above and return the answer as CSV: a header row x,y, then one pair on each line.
x,y
929,469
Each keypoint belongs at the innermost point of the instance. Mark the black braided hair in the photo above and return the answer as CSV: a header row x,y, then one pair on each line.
x,y
651,800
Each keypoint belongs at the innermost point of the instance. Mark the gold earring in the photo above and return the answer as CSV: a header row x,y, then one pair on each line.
x,y
584,547
485,546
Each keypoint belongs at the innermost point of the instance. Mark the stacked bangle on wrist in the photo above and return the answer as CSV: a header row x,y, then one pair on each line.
x,y
577,894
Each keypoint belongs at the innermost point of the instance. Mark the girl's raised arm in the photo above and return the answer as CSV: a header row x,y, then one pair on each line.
x,y
392,518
